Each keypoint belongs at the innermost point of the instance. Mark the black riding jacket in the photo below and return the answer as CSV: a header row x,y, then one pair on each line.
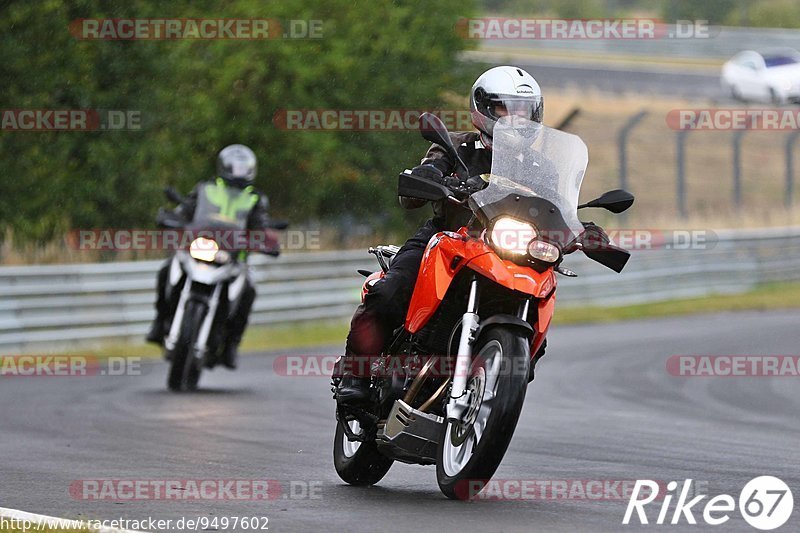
x,y
476,156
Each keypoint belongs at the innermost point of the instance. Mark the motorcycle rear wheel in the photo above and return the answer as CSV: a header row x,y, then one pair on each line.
x,y
358,463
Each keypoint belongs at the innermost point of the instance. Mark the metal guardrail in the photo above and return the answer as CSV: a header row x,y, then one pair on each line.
x,y
69,305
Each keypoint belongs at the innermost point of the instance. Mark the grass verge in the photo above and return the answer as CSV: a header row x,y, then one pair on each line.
x,y
765,297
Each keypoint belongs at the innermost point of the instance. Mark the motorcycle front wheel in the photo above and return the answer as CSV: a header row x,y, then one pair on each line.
x,y
470,451
184,372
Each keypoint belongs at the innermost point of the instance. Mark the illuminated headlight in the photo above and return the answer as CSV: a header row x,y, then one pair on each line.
x,y
204,249
512,235
543,251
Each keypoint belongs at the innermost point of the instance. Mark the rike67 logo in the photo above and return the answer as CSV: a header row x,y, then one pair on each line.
x,y
765,503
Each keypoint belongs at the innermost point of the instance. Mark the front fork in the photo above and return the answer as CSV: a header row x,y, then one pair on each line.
x,y
177,320
470,323
469,327
201,346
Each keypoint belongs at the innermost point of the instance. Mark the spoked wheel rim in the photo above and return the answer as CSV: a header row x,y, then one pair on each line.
x,y
462,438
349,448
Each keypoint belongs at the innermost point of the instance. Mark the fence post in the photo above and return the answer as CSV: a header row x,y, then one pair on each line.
x,y
790,167
680,166
737,168
567,120
622,141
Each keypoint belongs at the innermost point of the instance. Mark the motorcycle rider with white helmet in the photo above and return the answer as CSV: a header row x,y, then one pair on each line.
x,y
233,189
498,92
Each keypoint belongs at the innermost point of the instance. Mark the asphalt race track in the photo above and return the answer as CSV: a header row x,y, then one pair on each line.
x,y
628,80
603,407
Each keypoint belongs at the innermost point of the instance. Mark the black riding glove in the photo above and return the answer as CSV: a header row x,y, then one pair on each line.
x,y
475,184
463,189
594,237
428,172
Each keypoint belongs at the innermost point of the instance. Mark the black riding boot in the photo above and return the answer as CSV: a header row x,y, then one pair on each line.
x,y
158,327
237,323
383,310
231,353
364,338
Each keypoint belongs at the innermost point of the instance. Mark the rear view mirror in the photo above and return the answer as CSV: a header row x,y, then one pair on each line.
x,y
433,130
615,201
168,219
415,187
173,195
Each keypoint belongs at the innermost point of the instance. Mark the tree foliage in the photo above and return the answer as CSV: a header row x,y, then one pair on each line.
x,y
196,96
758,13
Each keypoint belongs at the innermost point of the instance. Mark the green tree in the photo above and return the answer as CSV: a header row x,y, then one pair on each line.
x,y
715,11
196,96
772,14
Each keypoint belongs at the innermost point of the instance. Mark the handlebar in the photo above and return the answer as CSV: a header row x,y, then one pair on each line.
x,y
277,224
460,188
173,195
170,220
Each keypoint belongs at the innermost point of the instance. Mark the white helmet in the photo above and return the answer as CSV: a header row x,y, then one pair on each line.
x,y
236,164
504,91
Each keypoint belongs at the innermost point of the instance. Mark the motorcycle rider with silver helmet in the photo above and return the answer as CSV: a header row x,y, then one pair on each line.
x,y
498,92
236,172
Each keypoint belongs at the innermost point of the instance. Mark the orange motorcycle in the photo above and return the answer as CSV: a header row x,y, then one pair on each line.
x,y
448,389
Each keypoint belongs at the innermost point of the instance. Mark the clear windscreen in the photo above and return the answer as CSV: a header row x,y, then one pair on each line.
x,y
534,161
221,207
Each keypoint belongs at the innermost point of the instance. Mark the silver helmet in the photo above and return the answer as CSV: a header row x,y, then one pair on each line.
x,y
502,91
236,164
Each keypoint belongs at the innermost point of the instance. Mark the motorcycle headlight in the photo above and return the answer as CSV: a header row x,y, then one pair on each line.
x,y
512,235
544,251
204,249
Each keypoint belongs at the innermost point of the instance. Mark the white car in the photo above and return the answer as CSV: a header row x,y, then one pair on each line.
x,y
770,76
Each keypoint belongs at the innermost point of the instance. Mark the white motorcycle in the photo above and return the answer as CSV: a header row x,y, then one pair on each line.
x,y
209,281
